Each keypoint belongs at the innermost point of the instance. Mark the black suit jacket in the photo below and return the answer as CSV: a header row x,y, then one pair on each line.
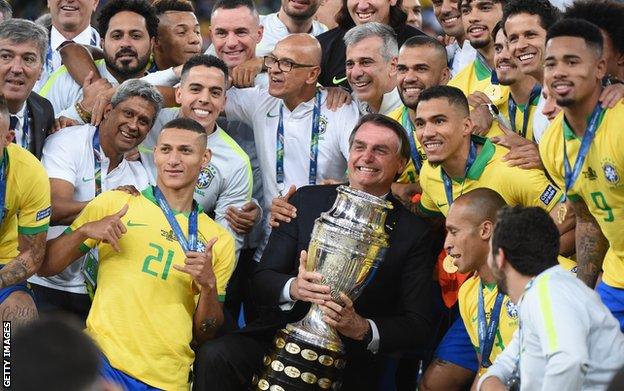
x,y
42,114
398,299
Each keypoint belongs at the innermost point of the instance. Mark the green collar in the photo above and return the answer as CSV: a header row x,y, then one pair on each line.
x,y
5,155
487,151
490,287
482,69
149,194
569,134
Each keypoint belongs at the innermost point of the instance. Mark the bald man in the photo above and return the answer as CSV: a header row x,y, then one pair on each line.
x,y
291,99
469,226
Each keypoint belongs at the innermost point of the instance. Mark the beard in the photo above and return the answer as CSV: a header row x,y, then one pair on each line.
x,y
480,43
565,102
124,69
301,15
501,281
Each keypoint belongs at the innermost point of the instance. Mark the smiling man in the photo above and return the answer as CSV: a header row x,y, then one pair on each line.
x,y
83,161
71,21
129,28
460,52
371,67
22,53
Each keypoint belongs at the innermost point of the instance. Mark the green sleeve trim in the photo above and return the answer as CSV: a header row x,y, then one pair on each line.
x,y
428,212
221,298
32,230
67,231
84,248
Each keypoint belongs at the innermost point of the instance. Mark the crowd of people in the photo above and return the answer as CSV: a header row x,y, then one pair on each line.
x,y
161,195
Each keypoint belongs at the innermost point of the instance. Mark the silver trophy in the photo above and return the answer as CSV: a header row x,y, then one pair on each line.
x,y
347,245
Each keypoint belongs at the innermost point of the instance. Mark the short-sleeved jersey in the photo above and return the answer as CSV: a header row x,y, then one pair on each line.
x,y
468,308
410,174
477,77
142,313
503,108
516,185
600,183
27,200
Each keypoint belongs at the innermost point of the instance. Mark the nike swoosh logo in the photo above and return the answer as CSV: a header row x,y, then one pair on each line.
x,y
87,179
271,115
131,224
338,81
440,205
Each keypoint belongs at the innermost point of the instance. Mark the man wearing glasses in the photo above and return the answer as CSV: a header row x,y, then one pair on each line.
x,y
298,139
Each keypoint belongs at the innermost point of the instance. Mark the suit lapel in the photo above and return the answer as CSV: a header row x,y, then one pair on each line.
x,y
37,132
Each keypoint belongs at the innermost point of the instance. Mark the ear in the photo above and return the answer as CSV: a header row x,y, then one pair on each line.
x,y
446,76
393,66
107,110
601,68
178,95
313,75
10,135
260,33
206,158
486,230
468,125
620,60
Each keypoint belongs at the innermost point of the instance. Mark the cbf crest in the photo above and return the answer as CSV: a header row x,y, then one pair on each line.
x,y
610,172
512,310
206,175
322,124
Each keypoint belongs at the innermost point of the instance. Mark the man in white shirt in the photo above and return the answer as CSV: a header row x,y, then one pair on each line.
x,y
71,21
227,180
459,52
372,53
83,161
292,18
567,339
292,100
129,29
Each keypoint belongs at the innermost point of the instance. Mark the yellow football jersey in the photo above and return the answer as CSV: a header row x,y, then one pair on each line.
x,y
503,108
410,173
468,309
27,199
142,312
478,77
599,184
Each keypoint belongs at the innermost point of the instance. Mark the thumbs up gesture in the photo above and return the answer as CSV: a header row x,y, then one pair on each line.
x,y
109,229
199,266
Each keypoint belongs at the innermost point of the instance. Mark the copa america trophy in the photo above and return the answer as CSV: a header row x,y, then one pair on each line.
x,y
347,244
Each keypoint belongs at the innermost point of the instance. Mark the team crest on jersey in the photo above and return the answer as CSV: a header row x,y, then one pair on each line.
x,y
512,310
206,175
322,124
610,172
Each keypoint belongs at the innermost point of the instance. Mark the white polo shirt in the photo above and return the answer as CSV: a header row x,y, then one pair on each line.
x,y
255,107
226,181
389,102
275,30
53,60
68,155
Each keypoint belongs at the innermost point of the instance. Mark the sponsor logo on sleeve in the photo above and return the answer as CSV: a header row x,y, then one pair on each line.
x,y
548,194
42,214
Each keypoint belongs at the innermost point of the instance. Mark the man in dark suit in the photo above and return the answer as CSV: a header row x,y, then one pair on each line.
x,y
23,46
393,313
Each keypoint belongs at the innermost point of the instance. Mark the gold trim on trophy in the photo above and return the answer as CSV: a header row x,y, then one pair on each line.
x,y
266,360
326,360
292,348
292,372
308,377
309,354
279,342
324,383
277,366
263,384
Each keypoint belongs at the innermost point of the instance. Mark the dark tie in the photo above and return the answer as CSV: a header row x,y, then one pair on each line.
x,y
13,123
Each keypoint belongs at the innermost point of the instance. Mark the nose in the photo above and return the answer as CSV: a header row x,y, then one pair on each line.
x,y
448,244
361,5
17,65
173,158
446,7
355,71
231,40
194,38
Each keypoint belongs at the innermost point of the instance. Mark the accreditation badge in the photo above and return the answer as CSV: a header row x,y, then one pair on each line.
x,y
89,270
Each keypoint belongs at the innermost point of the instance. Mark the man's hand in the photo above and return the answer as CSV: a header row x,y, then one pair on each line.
x,y
480,114
525,157
243,75
63,122
446,39
306,286
99,107
109,229
337,97
344,318
199,266
130,189
405,192
611,95
91,88
281,210
243,219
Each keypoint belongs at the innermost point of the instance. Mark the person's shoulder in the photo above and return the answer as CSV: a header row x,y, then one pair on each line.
x,y
210,229
21,159
465,290
331,35
71,137
237,155
316,191
414,222
35,98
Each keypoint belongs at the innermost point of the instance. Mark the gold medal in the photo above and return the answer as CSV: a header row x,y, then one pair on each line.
x,y
494,92
448,265
562,212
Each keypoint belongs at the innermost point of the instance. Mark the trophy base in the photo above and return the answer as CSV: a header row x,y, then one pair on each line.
x,y
294,364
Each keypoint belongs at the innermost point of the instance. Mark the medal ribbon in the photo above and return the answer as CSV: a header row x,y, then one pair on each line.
x,y
571,174
3,182
448,182
487,332
279,151
407,124
97,162
189,244
512,107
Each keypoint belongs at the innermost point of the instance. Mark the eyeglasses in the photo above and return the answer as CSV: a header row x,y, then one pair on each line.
x,y
283,64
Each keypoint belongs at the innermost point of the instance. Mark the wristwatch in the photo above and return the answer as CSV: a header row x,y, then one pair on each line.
x,y
497,115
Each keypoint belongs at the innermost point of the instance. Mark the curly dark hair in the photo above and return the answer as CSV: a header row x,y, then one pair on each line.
x,y
162,6
607,15
548,13
397,16
141,7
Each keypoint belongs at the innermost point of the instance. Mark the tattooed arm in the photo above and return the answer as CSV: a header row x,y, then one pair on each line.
x,y
31,250
591,245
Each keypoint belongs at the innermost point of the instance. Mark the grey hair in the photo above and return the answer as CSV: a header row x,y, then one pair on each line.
x,y
136,87
6,10
390,47
19,31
